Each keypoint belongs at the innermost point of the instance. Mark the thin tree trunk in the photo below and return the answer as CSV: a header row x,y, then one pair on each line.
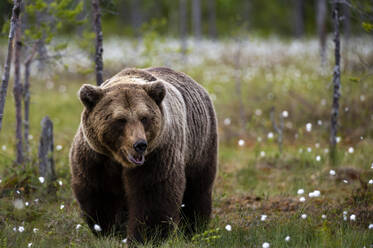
x,y
26,102
336,82
299,18
17,91
196,18
212,19
346,34
46,161
136,17
183,25
321,11
99,41
5,79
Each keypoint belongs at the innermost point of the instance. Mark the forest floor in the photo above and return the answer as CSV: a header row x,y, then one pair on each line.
x,y
256,196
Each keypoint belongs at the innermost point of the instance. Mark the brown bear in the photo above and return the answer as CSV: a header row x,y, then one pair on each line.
x,y
144,157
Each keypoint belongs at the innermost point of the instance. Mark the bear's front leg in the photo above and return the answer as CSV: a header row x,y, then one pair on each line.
x,y
154,209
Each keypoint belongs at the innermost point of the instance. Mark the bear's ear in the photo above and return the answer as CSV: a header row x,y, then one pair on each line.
x,y
90,95
156,91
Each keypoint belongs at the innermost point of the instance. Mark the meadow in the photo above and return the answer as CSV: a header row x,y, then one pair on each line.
x,y
264,195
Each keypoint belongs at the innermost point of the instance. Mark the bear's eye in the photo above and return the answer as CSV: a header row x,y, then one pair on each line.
x,y
144,120
121,121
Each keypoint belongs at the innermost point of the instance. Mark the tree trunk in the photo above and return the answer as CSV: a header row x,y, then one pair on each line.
x,y
46,161
183,25
196,18
136,17
321,11
99,40
5,79
336,82
346,34
299,18
212,19
26,102
17,92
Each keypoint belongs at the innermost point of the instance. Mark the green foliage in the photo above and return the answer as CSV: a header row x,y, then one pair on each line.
x,y
368,27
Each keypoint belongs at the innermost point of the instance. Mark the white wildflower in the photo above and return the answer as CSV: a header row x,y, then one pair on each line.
x,y
41,179
309,149
351,150
15,229
78,227
287,238
345,181
270,135
241,142
228,228
62,206
262,153
338,139
370,226
323,216
265,245
318,158
3,147
183,205
263,217
370,181
303,216
315,193
302,199
21,229
332,172
352,217
29,244
285,114
60,183
319,122
27,203
300,191
58,147
97,228
35,230
309,127
124,240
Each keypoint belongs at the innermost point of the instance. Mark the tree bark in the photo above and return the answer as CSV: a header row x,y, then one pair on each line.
x,y
26,102
5,79
183,25
212,19
99,41
336,82
196,18
46,161
17,92
321,11
299,18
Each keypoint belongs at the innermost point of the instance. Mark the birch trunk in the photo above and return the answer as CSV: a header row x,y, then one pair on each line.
x,y
321,11
299,18
17,92
336,82
99,41
5,79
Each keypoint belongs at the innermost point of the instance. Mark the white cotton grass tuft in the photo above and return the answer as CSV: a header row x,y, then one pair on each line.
x,y
303,216
370,181
263,217
300,191
262,154
60,182
228,228
309,127
270,135
97,228
338,139
287,238
302,199
351,150
124,240
318,158
370,226
265,245
332,172
58,147
35,230
315,193
323,216
227,121
241,142
345,181
21,229
62,206
3,147
285,114
29,244
78,226
41,179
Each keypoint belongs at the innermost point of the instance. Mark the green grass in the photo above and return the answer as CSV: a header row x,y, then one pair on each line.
x,y
248,184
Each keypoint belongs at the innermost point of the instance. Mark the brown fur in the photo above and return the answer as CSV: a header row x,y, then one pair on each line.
x,y
175,117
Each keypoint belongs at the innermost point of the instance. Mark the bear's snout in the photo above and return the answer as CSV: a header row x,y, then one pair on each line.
x,y
140,146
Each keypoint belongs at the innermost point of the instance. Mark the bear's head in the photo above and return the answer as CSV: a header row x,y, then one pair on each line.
x,y
123,121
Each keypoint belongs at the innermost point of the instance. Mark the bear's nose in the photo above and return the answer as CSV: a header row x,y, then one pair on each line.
x,y
140,146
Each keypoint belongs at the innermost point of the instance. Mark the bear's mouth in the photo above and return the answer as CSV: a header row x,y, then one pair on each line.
x,y
137,159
